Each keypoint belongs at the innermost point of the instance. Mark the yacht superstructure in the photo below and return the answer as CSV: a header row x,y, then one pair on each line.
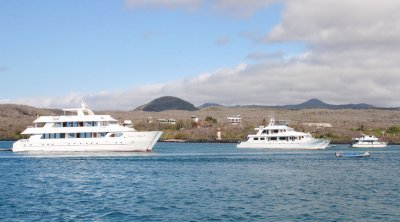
x,y
280,136
81,130
366,141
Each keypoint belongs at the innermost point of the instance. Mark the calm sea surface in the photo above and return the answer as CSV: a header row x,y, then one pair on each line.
x,y
201,182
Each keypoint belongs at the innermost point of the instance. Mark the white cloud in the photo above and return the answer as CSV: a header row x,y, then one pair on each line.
x,y
276,83
265,56
339,24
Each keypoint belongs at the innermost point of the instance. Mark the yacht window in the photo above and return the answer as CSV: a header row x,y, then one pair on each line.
x,y
255,138
75,124
115,134
39,124
71,135
102,134
273,138
264,131
90,124
80,124
276,131
62,135
57,124
94,135
282,138
262,138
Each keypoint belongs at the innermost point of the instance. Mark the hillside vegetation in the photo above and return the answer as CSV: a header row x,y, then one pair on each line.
x,y
15,118
347,123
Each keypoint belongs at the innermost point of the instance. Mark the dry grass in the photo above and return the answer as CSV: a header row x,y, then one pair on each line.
x,y
345,122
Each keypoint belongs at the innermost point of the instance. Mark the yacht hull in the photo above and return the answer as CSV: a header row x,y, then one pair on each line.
x,y
137,142
383,145
312,145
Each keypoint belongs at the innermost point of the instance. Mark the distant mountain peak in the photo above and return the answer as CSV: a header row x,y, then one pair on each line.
x,y
175,103
314,103
319,104
206,105
167,103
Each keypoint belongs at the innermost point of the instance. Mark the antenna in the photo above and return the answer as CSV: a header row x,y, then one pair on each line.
x,y
83,106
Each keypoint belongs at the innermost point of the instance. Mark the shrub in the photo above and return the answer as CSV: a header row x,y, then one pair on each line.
x,y
393,129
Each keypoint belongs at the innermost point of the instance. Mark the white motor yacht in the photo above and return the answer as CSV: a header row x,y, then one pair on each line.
x,y
280,136
81,130
366,141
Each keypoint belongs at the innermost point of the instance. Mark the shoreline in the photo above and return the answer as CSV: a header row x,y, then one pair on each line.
x,y
210,141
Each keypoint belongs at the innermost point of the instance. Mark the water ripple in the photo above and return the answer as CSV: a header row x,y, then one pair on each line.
x,y
201,182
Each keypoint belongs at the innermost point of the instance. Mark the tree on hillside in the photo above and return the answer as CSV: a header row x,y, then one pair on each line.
x,y
210,119
264,122
393,130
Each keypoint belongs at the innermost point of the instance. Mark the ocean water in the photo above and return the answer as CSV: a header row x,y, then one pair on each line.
x,y
201,182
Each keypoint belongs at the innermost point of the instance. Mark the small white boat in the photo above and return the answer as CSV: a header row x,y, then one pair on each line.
x,y
366,141
280,136
340,154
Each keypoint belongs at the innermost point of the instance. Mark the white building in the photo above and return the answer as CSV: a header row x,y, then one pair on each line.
x,y
235,120
167,121
318,125
194,119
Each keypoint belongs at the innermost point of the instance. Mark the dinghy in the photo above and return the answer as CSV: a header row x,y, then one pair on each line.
x,y
340,154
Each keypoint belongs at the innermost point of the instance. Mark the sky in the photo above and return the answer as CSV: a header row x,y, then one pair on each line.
x,y
120,54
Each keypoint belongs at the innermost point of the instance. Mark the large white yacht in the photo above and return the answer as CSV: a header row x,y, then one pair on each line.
x,y
280,136
81,130
366,141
